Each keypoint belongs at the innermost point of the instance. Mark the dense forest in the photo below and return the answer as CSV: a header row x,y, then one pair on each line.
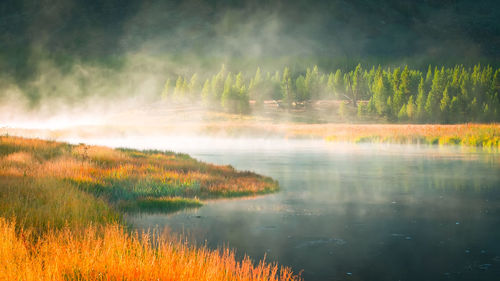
x,y
70,53
439,95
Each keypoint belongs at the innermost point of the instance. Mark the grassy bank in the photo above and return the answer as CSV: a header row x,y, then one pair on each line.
x,y
126,177
470,135
230,125
61,204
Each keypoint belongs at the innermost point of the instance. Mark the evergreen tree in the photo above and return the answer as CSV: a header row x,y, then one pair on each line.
x,y
401,88
411,109
455,94
402,114
256,88
381,92
218,85
444,106
357,84
338,82
454,110
432,105
193,87
421,100
302,92
166,90
227,98
206,95
178,92
331,85
286,87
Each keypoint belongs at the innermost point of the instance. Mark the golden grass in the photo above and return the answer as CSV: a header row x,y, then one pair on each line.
x,y
110,253
43,204
474,135
126,174
56,222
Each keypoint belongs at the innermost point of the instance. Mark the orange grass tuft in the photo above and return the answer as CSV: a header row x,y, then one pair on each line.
x,y
110,253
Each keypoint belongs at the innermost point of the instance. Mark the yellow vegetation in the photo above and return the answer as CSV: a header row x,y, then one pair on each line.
x,y
60,220
110,253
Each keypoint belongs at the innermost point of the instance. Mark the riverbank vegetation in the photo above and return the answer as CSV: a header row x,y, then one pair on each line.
x,y
61,205
470,135
124,176
467,135
397,94
111,253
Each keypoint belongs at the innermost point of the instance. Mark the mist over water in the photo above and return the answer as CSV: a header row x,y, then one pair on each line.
x,y
344,211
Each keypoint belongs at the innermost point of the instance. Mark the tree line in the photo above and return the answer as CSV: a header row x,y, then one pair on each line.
x,y
439,94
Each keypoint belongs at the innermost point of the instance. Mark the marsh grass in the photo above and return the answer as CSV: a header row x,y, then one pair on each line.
x,y
46,203
111,253
60,214
163,204
470,135
128,176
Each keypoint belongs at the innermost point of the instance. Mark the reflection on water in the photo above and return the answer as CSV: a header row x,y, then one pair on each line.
x,y
350,212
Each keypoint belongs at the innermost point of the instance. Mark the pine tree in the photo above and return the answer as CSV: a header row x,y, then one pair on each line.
x,y
381,91
205,93
454,110
402,114
331,85
166,90
311,83
255,88
444,106
428,79
401,88
411,109
421,100
193,87
218,85
301,89
357,84
227,99
338,81
178,92
185,89
286,87
432,105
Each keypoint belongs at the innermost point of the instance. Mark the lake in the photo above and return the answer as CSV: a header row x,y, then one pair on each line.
x,y
348,212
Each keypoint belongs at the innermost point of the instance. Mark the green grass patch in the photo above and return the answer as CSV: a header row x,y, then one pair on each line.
x,y
159,205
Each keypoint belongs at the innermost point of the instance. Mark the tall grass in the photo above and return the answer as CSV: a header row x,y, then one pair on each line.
x,y
60,214
42,204
125,174
471,135
110,253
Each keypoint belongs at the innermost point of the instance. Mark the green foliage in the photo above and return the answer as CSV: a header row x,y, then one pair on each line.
x,y
159,205
235,96
448,95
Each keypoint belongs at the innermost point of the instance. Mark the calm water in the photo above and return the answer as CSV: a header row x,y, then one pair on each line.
x,y
347,212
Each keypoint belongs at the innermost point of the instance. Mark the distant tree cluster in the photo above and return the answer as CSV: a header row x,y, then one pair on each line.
x,y
439,95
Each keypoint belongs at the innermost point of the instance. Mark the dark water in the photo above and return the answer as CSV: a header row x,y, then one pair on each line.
x,y
348,212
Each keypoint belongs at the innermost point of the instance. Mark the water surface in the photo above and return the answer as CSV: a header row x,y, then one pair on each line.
x,y
349,212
